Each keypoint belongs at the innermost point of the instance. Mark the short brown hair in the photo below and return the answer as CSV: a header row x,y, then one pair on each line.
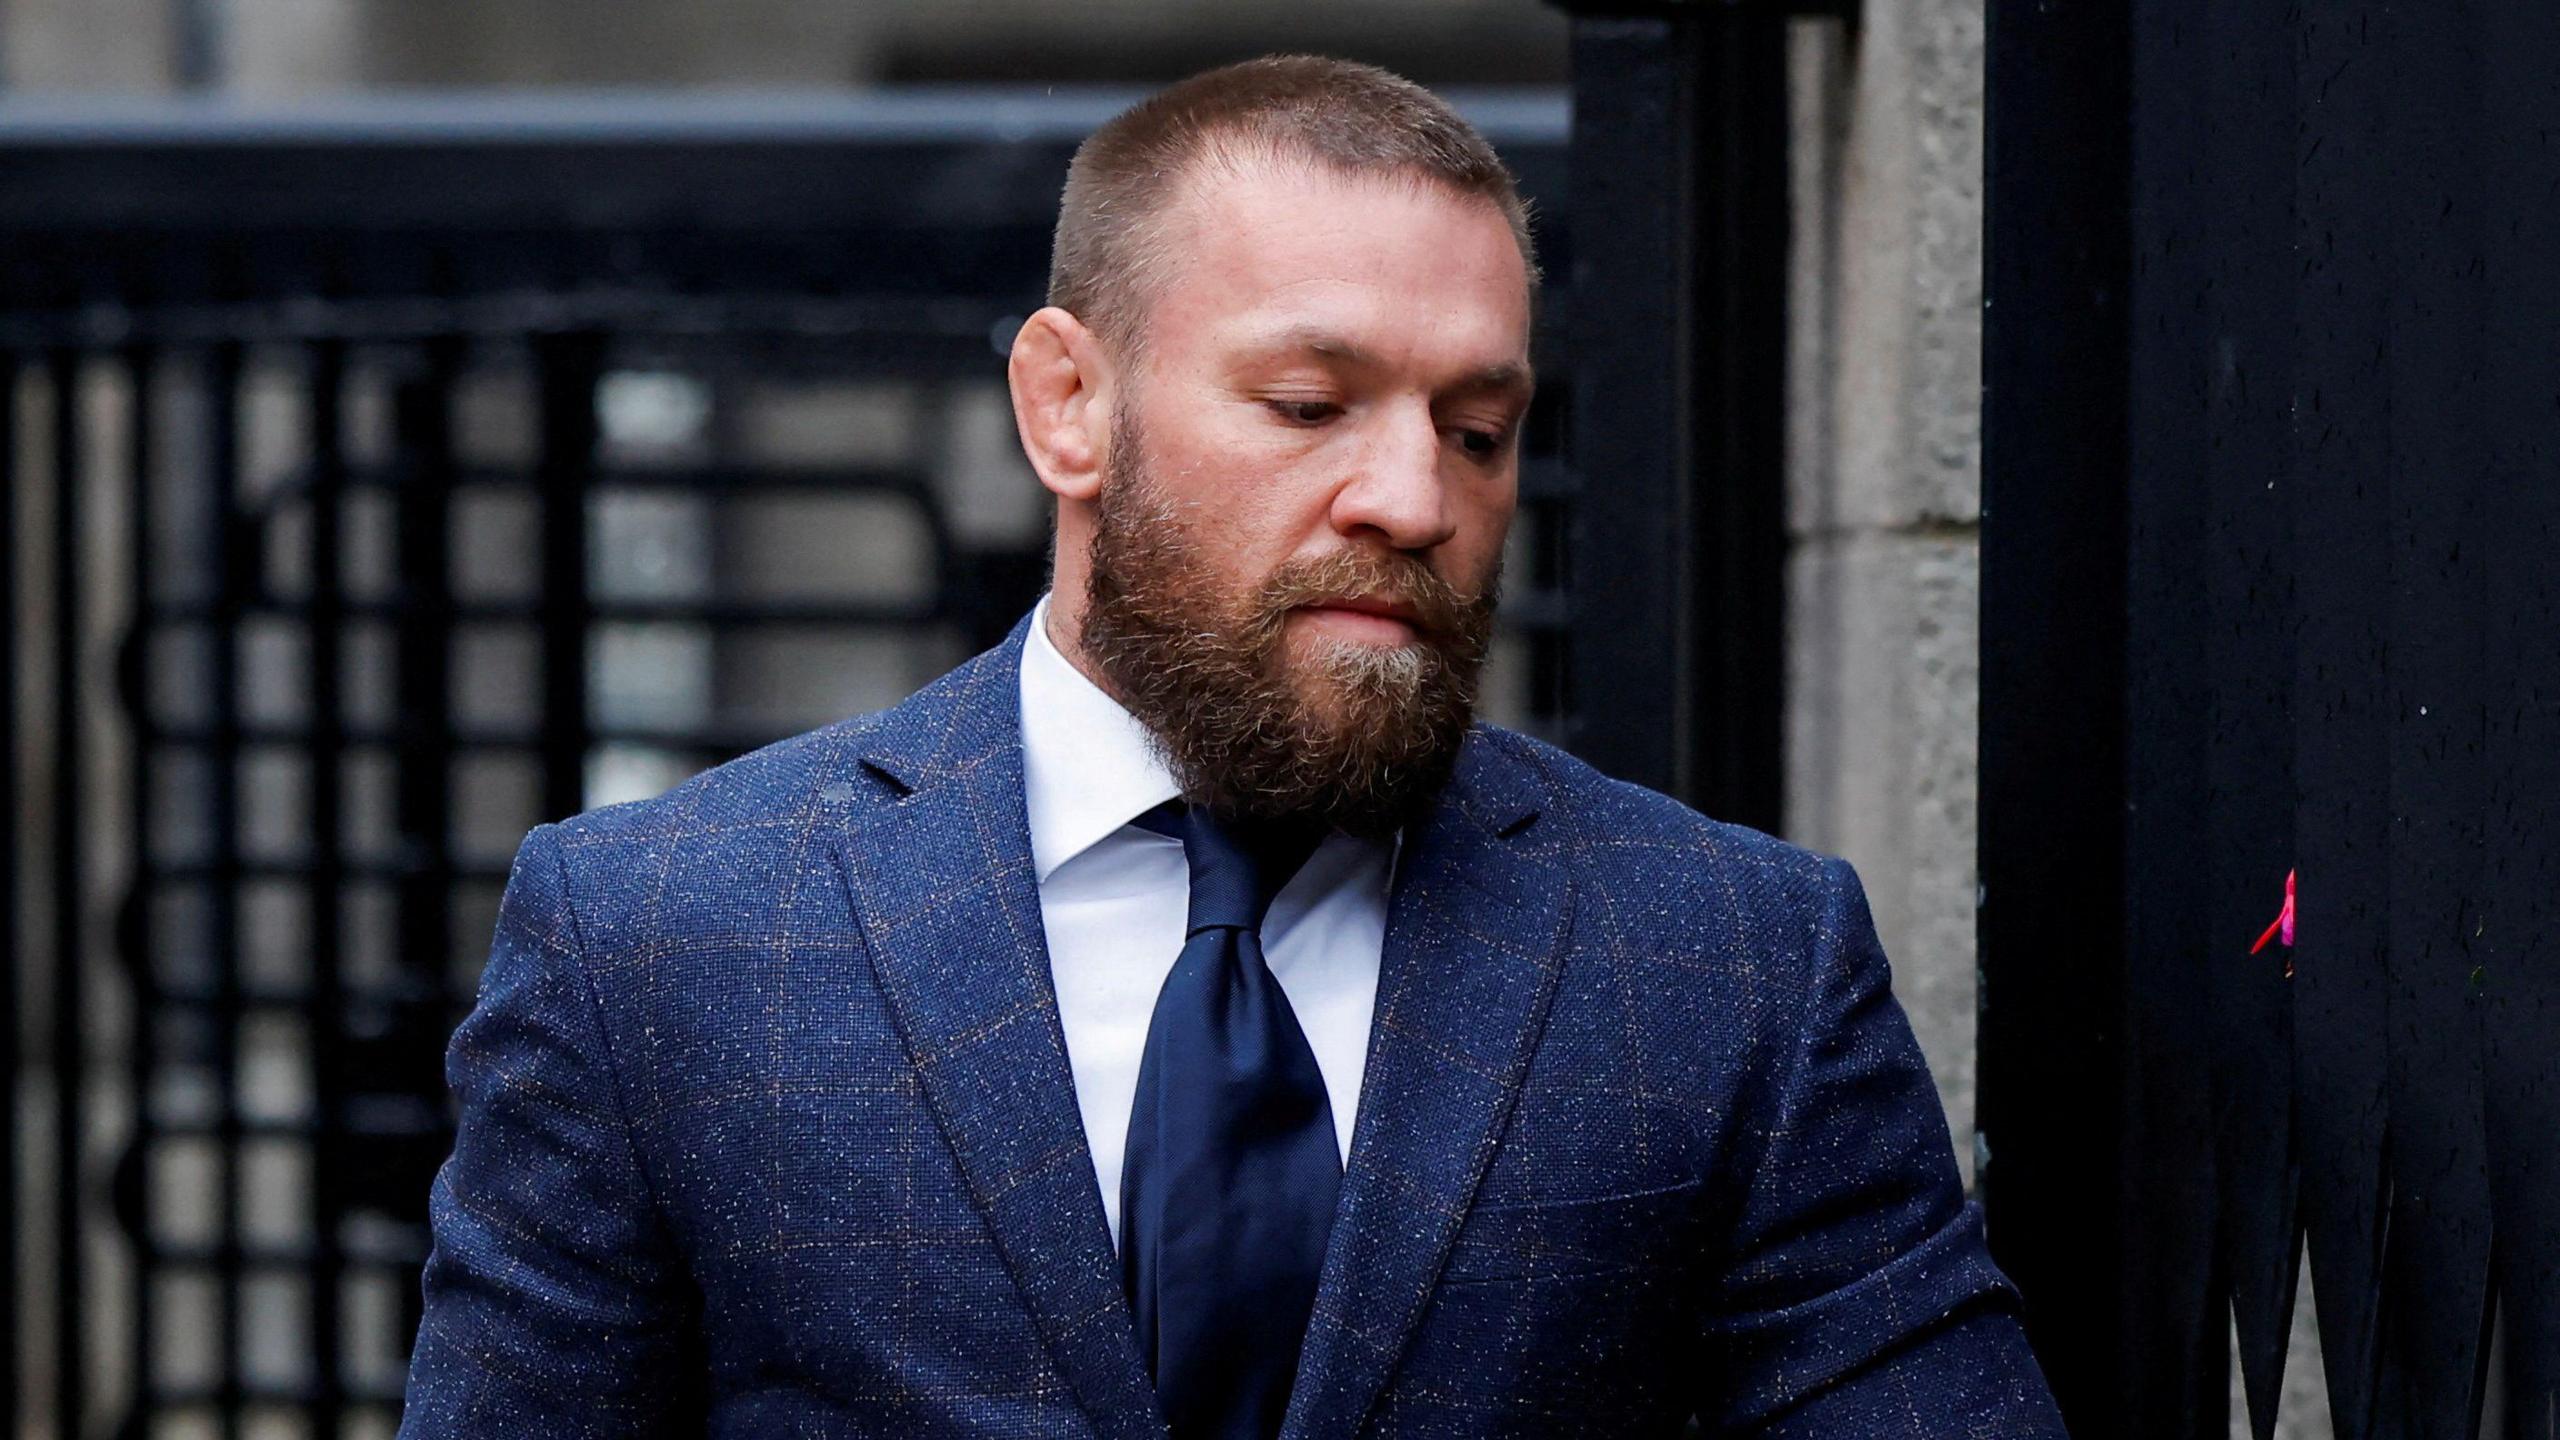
x,y
1351,118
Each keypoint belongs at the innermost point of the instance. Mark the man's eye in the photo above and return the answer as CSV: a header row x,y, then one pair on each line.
x,y
1483,444
1306,412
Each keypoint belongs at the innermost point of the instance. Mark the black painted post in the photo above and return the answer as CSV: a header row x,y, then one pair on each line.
x,y
325,1009
10,950
2272,483
2517,995
143,814
1676,368
567,370
2051,831
70,910
415,1019
227,540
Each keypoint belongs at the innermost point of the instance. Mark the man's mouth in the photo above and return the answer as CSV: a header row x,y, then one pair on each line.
x,y
1376,619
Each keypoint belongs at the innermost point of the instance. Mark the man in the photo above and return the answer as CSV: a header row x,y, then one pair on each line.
x,y
1183,1018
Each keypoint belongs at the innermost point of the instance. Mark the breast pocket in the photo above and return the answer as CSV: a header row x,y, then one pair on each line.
x,y
1648,1231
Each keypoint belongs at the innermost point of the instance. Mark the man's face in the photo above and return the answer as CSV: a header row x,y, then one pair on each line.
x,y
1296,543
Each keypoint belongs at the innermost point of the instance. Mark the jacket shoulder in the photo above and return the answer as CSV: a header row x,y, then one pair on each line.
x,y
1608,824
777,784
770,787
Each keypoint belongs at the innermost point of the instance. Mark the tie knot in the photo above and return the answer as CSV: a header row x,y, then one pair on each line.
x,y
1237,867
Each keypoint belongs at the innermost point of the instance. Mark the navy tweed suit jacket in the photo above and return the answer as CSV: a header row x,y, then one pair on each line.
x,y
767,1130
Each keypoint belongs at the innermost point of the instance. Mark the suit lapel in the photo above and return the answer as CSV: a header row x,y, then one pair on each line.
x,y
1472,953
943,887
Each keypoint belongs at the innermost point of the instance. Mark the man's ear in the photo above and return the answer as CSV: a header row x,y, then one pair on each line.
x,y
1062,395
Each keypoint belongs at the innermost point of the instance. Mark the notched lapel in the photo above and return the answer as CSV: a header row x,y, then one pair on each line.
x,y
1474,937
943,888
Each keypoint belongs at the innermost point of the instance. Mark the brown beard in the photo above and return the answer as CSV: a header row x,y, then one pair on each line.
x,y
1359,738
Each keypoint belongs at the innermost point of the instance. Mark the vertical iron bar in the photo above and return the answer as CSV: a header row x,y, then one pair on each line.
x,y
1632,436
70,930
1738,633
423,434
325,1009
1677,414
222,763
2520,971
2342,823
2437,1257
2239,359
2054,1081
567,366
10,951
143,1055
2178,1323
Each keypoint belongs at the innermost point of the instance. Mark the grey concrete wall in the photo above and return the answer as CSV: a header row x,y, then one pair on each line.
x,y
1884,490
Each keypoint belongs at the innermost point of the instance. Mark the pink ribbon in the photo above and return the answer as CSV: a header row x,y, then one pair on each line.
x,y
2283,925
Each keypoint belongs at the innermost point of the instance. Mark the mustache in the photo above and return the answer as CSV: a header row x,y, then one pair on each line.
x,y
1439,608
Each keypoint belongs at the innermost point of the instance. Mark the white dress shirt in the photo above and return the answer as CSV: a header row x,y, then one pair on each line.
x,y
1115,901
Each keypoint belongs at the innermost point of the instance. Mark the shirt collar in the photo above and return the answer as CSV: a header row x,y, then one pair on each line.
x,y
1088,765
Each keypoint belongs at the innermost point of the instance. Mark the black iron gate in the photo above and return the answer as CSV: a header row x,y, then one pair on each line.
x,y
381,483
2271,642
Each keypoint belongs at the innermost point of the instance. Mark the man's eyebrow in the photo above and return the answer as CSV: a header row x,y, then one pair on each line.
x,y
1309,340
1502,375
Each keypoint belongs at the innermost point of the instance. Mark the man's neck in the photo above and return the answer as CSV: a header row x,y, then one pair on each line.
x,y
1063,622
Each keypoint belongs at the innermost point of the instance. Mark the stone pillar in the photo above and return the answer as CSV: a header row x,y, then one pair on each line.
x,y
1885,491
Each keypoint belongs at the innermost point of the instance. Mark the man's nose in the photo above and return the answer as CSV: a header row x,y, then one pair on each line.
x,y
1398,494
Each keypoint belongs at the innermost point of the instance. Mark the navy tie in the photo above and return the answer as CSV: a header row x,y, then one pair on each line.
x,y
1227,1187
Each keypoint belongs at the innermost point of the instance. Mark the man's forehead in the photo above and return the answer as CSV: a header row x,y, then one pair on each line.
x,y
1296,255
1253,196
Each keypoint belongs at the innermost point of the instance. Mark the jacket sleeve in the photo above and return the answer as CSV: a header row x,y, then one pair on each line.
x,y
1857,1297
556,1304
